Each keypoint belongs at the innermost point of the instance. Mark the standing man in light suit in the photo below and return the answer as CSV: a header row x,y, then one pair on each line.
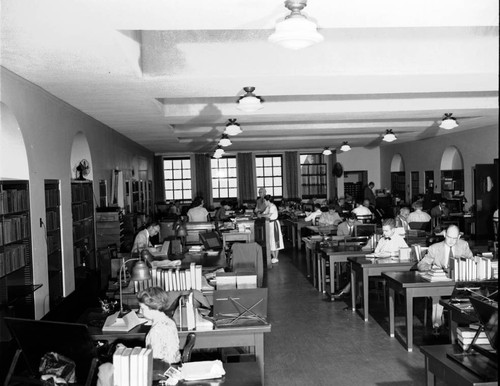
x,y
438,256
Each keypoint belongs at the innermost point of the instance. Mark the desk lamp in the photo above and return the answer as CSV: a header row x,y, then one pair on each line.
x,y
140,272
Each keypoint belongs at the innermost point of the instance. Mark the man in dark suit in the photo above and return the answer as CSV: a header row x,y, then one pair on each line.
x,y
440,210
368,193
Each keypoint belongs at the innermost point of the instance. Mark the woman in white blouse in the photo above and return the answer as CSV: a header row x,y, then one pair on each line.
x,y
276,237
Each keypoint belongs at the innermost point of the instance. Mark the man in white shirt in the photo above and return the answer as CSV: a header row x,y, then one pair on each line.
x,y
418,215
362,209
391,242
438,256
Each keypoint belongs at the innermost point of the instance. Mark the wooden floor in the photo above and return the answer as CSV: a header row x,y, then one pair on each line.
x,y
317,342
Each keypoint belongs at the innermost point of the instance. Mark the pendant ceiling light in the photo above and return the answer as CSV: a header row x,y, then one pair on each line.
x,y
232,128
296,31
225,141
218,152
327,151
448,122
345,146
250,102
389,136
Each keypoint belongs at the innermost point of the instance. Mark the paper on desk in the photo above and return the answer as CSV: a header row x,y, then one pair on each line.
x,y
194,371
128,322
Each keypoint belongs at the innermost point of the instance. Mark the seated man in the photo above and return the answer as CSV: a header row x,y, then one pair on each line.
x,y
142,241
362,208
440,210
390,243
438,256
418,215
346,228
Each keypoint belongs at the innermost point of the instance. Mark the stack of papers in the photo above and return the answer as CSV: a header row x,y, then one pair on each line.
x,y
128,322
436,274
194,371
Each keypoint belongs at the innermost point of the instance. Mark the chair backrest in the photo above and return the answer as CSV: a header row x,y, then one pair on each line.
x,y
364,229
188,347
248,257
424,226
37,337
365,218
194,229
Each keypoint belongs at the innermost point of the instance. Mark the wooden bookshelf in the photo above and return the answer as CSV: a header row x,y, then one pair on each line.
x,y
313,180
82,206
16,270
53,239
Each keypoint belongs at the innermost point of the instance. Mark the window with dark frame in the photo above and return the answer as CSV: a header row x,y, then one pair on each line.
x,y
269,172
313,176
177,173
224,179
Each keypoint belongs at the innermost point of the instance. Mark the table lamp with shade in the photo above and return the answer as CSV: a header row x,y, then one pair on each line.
x,y
140,272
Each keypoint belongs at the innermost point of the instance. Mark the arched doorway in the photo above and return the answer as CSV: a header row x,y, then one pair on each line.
x,y
452,178
398,180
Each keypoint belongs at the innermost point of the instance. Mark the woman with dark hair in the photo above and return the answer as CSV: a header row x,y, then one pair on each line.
x,y
276,238
197,213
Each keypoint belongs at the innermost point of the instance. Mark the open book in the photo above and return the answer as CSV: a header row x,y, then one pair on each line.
x,y
128,322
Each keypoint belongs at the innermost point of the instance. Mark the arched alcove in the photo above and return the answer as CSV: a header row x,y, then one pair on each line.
x,y
80,150
397,163
13,156
452,159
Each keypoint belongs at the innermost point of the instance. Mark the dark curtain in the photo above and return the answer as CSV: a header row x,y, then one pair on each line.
x,y
246,177
159,178
292,175
203,178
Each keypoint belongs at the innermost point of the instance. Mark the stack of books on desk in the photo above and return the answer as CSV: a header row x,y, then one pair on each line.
x,y
465,335
435,274
133,366
173,279
477,268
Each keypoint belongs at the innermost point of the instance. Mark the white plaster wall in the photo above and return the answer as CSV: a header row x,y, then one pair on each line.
x,y
360,159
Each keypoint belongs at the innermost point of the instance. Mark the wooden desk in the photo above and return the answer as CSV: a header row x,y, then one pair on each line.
x,y
235,236
437,364
411,285
240,373
296,226
242,336
456,316
334,257
366,267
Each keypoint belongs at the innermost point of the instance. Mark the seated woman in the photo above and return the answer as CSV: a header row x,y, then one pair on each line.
x,y
329,217
198,213
162,338
220,214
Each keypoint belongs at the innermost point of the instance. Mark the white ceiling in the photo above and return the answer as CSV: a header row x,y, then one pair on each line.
x,y
167,74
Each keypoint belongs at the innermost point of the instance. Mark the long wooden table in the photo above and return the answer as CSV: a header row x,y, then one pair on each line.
x,y
296,227
241,336
412,285
367,267
439,365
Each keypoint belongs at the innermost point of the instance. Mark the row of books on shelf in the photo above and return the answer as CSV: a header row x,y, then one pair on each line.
x,y
82,229
13,200
313,180
52,243
51,198
313,169
132,366
81,192
52,220
173,279
11,258
82,210
465,335
477,268
14,229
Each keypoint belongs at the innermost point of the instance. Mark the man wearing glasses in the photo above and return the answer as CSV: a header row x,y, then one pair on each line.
x,y
438,256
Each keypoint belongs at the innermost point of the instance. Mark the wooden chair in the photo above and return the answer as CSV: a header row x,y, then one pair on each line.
x,y
365,219
188,347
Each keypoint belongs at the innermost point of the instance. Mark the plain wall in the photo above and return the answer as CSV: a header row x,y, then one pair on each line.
x,y
476,147
358,159
49,126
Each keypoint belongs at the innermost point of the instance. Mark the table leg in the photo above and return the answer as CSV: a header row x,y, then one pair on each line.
x,y
365,295
409,321
430,378
332,277
259,353
353,289
452,327
293,235
299,241
391,312
314,269
308,262
323,273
